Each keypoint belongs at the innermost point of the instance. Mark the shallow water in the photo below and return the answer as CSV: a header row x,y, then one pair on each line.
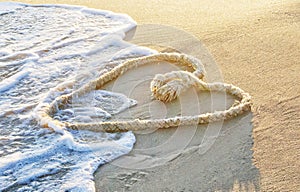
x,y
41,47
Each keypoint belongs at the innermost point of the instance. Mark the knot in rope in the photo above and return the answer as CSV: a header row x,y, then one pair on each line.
x,y
167,87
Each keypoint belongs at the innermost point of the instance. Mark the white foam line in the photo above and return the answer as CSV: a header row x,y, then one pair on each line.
x,y
112,15
138,50
104,43
82,9
10,82
23,56
14,110
9,7
66,141
60,39
64,44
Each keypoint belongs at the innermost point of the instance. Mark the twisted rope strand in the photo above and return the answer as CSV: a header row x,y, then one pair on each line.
x,y
166,88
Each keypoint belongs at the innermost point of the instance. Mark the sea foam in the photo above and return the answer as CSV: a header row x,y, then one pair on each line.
x,y
42,47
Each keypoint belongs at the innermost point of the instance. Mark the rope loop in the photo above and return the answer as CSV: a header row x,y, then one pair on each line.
x,y
164,87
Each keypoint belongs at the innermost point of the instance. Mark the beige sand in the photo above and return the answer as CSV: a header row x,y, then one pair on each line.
x,y
256,45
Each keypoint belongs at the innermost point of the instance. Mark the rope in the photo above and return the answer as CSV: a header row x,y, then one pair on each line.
x,y
166,88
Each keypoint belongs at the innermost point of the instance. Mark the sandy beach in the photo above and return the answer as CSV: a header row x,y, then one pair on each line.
x,y
254,45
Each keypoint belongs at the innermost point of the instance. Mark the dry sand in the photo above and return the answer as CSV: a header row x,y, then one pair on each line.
x,y
256,46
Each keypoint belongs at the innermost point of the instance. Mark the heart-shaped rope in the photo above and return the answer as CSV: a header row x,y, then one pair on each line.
x,y
164,88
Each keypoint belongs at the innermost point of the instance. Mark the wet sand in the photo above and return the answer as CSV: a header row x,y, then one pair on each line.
x,y
256,47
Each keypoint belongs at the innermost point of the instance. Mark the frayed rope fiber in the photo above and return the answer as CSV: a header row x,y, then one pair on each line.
x,y
164,87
